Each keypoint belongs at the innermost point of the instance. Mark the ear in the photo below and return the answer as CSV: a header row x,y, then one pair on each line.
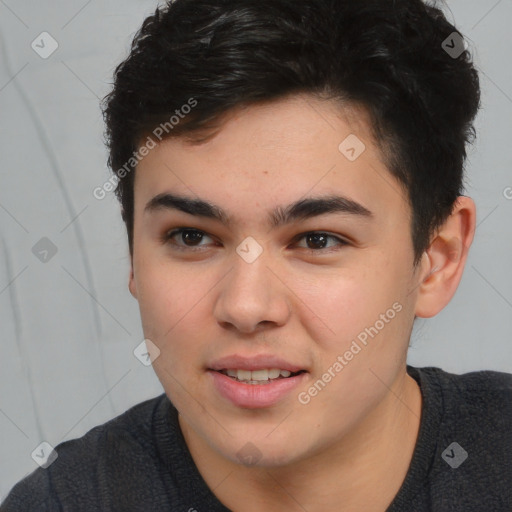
x,y
131,282
445,259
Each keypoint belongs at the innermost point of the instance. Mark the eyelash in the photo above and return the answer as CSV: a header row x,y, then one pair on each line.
x,y
167,239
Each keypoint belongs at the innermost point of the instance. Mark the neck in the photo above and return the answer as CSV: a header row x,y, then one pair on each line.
x,y
362,471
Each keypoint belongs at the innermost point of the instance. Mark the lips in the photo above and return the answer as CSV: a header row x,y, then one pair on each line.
x,y
257,376
257,395
254,363
257,382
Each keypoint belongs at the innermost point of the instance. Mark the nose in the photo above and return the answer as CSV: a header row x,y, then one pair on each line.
x,y
252,297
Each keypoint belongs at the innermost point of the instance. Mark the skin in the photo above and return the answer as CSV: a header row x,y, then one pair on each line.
x,y
204,302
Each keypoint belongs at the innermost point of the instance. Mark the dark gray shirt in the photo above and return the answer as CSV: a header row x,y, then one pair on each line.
x,y
139,461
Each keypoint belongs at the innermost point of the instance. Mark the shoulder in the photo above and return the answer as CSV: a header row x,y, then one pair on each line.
x,y
481,395
105,456
473,404
472,459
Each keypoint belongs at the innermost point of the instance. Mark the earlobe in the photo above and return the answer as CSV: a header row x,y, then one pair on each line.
x,y
131,284
445,259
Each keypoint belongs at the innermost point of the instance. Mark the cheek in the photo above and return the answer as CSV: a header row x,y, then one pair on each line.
x,y
172,307
165,294
343,302
360,315
359,353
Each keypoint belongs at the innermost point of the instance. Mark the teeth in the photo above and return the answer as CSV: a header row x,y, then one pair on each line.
x,y
244,375
257,375
274,373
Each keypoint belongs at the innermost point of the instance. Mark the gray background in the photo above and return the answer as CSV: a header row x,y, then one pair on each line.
x,y
69,325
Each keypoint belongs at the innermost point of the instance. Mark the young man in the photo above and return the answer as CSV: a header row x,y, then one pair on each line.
x,y
290,174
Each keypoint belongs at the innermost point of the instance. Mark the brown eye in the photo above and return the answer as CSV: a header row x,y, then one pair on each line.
x,y
191,237
317,241
188,237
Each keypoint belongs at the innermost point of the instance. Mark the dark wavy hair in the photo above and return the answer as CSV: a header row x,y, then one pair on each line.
x,y
386,55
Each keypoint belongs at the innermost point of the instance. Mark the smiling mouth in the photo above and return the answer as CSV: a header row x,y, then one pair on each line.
x,y
263,376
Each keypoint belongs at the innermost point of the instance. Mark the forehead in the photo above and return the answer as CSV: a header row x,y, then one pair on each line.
x,y
272,155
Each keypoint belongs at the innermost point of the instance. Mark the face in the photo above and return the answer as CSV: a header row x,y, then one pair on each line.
x,y
240,265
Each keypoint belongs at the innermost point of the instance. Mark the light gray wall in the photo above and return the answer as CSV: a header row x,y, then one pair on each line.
x,y
69,325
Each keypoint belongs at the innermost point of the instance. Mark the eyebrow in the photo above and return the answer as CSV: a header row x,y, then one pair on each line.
x,y
300,210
